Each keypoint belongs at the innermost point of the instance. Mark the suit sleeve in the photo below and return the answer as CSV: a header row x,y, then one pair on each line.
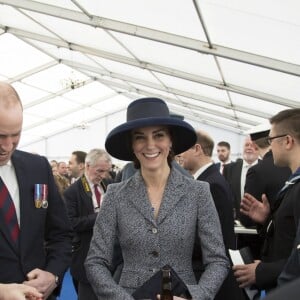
x,y
267,273
253,186
213,251
225,211
73,200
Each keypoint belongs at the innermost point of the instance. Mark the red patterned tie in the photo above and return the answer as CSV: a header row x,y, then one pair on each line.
x,y
7,208
97,194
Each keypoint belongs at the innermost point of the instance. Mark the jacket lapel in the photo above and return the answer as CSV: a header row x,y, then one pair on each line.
x,y
140,201
174,192
87,195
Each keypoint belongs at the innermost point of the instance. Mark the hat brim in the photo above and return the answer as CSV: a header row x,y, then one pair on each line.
x,y
258,135
118,141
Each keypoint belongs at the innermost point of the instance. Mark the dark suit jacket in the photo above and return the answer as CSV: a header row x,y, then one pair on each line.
x,y
82,215
232,173
222,197
218,165
45,235
291,269
280,238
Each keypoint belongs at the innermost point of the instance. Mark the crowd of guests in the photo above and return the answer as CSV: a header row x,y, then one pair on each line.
x,y
172,204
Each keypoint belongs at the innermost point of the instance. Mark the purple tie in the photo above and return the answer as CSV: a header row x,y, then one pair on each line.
x,y
97,194
7,209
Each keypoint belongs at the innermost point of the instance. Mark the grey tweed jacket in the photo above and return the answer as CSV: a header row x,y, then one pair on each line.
x,y
148,244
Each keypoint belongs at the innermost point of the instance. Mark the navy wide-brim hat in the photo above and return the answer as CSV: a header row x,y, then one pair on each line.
x,y
146,112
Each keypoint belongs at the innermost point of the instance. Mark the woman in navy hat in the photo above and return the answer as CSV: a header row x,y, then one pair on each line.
x,y
156,213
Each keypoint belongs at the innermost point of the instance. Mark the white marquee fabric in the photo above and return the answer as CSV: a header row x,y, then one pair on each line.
x,y
229,65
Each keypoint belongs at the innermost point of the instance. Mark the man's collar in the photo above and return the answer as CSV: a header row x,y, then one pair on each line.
x,y
8,164
202,169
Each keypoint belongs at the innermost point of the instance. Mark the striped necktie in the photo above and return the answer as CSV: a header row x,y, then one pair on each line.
x,y
8,211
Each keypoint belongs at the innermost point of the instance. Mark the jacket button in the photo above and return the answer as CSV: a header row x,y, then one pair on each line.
x,y
154,230
154,253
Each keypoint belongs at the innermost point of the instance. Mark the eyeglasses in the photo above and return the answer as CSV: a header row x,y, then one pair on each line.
x,y
271,138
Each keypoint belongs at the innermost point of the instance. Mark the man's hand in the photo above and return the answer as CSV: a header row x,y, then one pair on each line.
x,y
14,291
43,281
254,209
245,274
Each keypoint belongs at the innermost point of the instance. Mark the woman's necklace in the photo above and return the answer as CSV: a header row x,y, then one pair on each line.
x,y
155,194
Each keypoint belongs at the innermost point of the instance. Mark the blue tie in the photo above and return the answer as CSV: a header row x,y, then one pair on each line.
x,y
8,211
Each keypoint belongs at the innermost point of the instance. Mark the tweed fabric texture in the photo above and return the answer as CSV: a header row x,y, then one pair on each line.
x,y
148,243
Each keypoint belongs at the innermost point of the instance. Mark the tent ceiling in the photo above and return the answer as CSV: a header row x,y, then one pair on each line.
x,y
228,64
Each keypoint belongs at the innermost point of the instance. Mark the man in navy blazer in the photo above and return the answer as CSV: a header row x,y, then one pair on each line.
x,y
41,252
198,161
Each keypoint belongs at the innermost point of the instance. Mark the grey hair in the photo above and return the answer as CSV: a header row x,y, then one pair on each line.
x,y
95,154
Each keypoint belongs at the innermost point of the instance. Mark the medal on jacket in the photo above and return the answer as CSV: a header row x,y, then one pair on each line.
x,y
41,195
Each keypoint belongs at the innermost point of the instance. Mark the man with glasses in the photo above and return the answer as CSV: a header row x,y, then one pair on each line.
x,y
263,178
279,222
270,139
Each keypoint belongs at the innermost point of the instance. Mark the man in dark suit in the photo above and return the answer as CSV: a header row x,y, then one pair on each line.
x,y
83,206
35,233
235,172
198,161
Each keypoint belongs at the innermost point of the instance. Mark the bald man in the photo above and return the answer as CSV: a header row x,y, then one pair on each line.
x,y
35,234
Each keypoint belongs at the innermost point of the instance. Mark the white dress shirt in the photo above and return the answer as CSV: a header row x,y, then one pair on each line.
x,y
201,170
245,168
95,203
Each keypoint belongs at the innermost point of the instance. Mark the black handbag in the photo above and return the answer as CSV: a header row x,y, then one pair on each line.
x,y
152,287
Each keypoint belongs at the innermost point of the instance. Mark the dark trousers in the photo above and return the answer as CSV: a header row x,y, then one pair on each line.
x,y
85,291
75,284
